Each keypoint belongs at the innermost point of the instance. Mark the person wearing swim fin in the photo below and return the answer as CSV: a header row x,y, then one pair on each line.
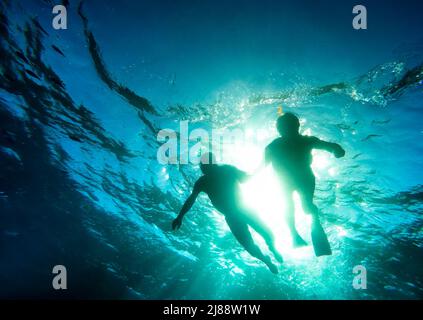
x,y
290,155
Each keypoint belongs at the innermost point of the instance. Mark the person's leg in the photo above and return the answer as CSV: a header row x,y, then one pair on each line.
x,y
306,193
320,241
258,225
297,241
242,234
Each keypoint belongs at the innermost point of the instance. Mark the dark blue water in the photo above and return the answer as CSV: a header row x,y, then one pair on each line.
x,y
80,110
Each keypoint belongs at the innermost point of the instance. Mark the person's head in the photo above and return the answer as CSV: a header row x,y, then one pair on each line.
x,y
207,162
288,124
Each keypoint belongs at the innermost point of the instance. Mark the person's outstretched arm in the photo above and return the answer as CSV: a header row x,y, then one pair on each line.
x,y
334,148
242,176
263,164
176,224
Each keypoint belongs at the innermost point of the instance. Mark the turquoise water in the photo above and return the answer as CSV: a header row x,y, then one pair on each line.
x,y
81,186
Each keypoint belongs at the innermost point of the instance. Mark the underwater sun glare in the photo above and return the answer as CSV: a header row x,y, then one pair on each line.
x,y
263,195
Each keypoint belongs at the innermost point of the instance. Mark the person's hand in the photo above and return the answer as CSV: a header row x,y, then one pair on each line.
x,y
339,152
176,224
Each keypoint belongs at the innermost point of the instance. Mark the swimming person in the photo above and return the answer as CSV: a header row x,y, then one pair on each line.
x,y
221,184
290,156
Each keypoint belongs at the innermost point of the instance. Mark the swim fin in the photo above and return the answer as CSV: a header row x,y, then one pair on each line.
x,y
320,240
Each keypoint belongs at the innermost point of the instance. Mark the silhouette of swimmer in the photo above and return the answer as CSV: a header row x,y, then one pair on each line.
x,y
221,184
290,156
